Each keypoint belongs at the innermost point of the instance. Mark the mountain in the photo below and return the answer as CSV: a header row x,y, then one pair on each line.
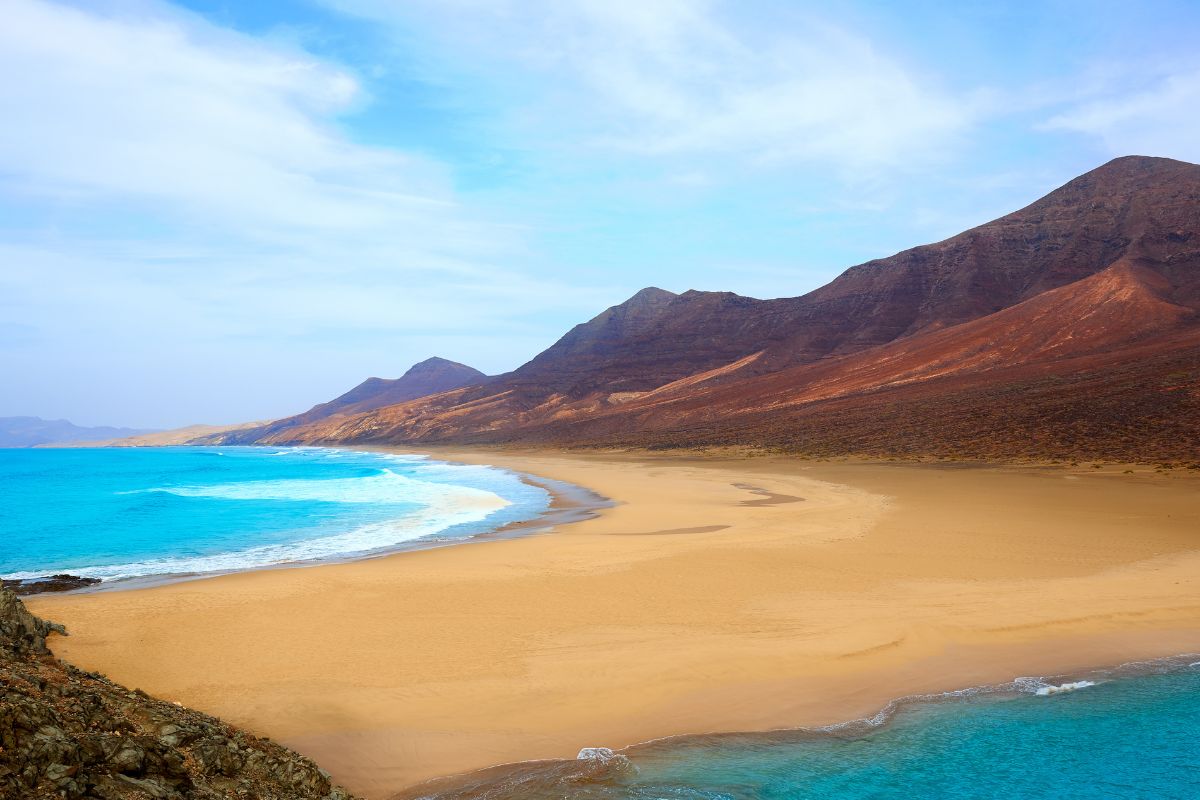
x,y
33,431
431,376
1069,328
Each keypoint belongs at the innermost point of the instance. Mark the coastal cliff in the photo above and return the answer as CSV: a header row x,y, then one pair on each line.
x,y
65,733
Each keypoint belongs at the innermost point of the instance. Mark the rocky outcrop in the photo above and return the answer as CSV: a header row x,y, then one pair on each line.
x,y
65,733
51,583
21,633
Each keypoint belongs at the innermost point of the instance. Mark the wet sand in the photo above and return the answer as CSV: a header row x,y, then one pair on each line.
x,y
716,594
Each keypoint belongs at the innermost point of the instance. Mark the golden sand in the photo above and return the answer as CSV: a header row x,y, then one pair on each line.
x,y
716,595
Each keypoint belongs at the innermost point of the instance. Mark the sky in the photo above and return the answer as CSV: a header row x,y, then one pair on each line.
x,y
218,211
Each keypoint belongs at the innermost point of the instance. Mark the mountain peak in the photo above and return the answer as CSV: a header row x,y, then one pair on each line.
x,y
1135,164
1127,175
428,377
651,295
439,364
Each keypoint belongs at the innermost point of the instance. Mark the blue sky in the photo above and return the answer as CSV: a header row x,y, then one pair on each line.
x,y
216,211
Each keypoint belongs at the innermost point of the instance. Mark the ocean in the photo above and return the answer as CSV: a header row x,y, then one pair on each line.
x,y
120,513
1126,734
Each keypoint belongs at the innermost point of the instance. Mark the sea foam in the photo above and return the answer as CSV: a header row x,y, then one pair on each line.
x,y
360,515
442,507
384,487
1070,686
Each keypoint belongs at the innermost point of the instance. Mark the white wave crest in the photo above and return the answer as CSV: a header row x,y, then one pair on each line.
x,y
385,487
440,506
1043,689
1071,686
604,760
596,754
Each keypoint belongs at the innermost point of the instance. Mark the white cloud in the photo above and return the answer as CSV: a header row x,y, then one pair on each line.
x,y
693,79
187,213
162,107
1141,110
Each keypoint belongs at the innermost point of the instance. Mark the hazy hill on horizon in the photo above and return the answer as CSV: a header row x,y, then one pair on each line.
x,y
34,431
1069,328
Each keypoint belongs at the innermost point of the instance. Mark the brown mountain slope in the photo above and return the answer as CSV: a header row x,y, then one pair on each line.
x,y
1139,405
1130,207
1117,308
1099,278
431,376
1138,354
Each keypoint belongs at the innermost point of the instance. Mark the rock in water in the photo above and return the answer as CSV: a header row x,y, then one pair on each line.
x,y
70,734
51,583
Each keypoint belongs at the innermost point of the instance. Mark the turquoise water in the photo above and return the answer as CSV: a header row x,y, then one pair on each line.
x,y
122,513
1127,736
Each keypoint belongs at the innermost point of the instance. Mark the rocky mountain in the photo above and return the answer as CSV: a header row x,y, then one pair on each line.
x,y
70,734
431,376
1069,328
34,431
652,338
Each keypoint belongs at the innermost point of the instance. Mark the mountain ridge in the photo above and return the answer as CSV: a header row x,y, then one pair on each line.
x,y
1102,273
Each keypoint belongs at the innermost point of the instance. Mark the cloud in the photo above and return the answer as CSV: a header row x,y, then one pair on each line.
x,y
682,78
1141,109
160,107
183,209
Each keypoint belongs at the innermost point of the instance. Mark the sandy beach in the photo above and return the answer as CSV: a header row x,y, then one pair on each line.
x,y
716,594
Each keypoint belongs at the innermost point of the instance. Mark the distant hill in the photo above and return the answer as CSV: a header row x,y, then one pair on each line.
x,y
34,431
170,438
429,377
1067,329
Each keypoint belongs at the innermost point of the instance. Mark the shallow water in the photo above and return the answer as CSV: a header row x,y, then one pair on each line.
x,y
1127,736
122,513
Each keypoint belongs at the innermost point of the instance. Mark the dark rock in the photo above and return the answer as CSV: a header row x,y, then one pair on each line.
x,y
20,631
51,583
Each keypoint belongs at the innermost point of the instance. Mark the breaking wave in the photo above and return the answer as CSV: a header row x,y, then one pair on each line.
x,y
384,487
260,509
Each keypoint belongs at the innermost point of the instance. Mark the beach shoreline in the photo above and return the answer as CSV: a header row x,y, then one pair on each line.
x,y
716,594
583,766
567,503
